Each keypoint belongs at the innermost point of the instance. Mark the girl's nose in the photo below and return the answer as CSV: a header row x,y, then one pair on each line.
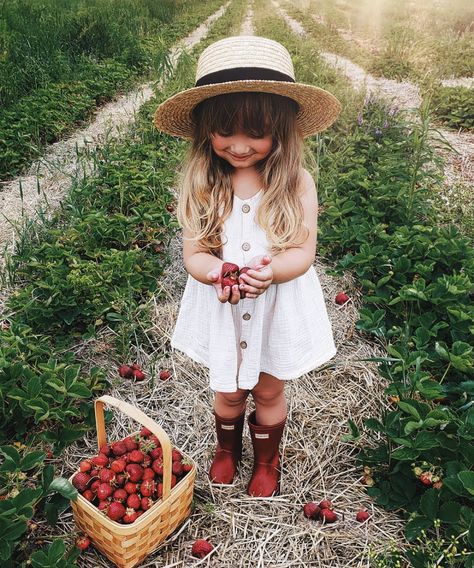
x,y
240,150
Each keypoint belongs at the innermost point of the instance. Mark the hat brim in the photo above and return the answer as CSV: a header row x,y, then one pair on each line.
x,y
318,108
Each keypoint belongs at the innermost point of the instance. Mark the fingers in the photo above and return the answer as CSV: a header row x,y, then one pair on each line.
x,y
228,295
250,280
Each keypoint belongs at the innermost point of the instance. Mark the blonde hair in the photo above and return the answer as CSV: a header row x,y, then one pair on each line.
x,y
206,192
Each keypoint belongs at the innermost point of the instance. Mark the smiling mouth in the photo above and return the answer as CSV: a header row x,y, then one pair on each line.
x,y
240,157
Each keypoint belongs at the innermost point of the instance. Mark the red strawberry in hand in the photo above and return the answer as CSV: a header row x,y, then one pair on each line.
x,y
229,274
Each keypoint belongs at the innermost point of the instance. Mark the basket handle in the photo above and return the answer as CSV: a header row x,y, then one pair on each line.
x,y
143,419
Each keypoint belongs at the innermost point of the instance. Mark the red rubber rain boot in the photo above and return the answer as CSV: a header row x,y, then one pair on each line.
x,y
229,449
265,478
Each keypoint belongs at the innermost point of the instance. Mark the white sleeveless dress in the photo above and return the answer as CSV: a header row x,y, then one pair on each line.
x,y
285,331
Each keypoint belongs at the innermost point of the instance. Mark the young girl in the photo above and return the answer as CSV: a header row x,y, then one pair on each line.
x,y
245,198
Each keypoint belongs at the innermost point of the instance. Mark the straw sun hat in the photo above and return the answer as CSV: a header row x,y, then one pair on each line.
x,y
247,63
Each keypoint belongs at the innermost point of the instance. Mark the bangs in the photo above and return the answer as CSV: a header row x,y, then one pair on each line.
x,y
256,114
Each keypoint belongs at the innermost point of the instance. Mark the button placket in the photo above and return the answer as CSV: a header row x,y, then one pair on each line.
x,y
246,246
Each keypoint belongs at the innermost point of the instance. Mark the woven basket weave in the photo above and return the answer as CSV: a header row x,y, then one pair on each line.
x,y
128,545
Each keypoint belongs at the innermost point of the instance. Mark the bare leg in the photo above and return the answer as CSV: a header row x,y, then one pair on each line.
x,y
229,405
270,400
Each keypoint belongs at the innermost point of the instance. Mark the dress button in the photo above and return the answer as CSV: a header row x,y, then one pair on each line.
x,y
246,246
243,344
245,208
246,316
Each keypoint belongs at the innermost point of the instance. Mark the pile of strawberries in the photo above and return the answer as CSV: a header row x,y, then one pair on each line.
x,y
134,371
126,478
324,512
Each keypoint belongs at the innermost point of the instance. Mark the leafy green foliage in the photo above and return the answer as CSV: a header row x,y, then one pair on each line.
x,y
454,106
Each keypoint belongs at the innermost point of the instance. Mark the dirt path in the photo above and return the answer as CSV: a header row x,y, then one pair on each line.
x,y
62,163
459,167
374,47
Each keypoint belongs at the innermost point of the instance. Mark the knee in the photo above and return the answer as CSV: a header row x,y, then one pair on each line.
x,y
233,398
264,396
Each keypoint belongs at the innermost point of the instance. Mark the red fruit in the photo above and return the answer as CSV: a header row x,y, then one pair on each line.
x,y
147,488
130,444
155,440
130,516
135,366
136,456
425,478
133,501
81,480
106,475
159,489
328,515
177,468
157,466
144,432
341,298
85,466
146,503
103,505
94,485
105,450
187,465
125,371
100,461
104,490
120,495
362,516
88,494
115,511
82,542
176,455
243,270
311,510
120,480
201,548
139,375
173,480
117,466
94,472
156,453
135,472
130,487
119,448
325,505
165,375
229,274
148,474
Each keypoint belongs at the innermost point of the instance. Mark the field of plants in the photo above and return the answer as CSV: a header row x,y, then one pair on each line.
x,y
90,290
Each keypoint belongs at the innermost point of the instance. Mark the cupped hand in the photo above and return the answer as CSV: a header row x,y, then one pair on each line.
x,y
226,294
259,278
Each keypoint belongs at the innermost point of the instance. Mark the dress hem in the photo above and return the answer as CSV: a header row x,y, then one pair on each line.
x,y
320,361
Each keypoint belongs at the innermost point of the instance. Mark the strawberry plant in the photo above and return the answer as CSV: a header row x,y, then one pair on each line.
x,y
43,495
454,106
416,278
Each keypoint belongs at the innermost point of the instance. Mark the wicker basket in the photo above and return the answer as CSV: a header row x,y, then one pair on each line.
x,y
128,545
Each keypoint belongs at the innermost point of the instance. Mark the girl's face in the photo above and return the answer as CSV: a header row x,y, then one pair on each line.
x,y
240,150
